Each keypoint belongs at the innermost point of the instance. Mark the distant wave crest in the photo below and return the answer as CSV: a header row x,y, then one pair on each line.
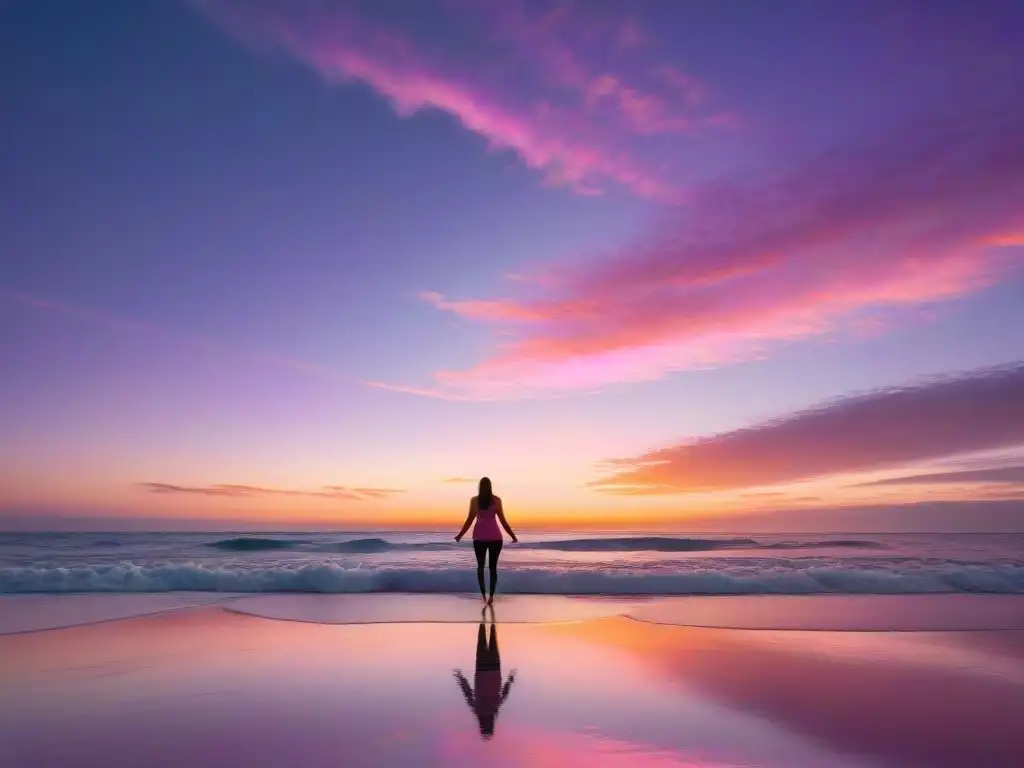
x,y
842,543
643,544
621,544
251,544
681,544
331,577
365,546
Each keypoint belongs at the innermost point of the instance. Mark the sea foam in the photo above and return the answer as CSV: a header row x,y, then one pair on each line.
x,y
328,577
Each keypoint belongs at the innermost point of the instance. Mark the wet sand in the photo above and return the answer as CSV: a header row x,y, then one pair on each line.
x,y
208,685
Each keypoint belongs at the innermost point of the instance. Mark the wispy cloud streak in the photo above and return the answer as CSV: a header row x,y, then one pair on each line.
x,y
886,429
992,475
562,114
252,491
925,215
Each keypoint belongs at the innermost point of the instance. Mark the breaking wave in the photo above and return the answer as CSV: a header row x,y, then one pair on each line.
x,y
327,577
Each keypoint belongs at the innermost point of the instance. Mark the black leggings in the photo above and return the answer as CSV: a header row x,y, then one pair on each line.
x,y
481,548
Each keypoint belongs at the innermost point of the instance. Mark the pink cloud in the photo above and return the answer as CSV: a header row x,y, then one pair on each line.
x,y
564,46
554,115
482,310
880,430
917,217
601,60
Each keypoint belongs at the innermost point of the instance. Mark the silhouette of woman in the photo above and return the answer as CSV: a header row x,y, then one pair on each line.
x,y
486,508
487,694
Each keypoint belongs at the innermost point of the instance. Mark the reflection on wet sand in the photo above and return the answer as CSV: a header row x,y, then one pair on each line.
x,y
915,699
487,693
195,685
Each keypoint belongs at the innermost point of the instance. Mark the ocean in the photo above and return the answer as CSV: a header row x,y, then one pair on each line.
x,y
552,563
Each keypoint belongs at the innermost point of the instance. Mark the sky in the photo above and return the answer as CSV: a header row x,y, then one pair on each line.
x,y
321,264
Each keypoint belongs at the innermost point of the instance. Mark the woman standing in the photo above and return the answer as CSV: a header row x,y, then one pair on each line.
x,y
485,507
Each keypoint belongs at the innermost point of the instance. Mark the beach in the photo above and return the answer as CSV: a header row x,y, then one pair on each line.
x,y
682,332
377,680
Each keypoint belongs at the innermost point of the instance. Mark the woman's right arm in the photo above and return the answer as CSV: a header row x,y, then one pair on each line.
x,y
469,520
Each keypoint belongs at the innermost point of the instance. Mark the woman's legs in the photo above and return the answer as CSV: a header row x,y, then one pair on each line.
x,y
480,550
494,547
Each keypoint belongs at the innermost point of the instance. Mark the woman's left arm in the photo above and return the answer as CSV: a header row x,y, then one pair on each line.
x,y
504,522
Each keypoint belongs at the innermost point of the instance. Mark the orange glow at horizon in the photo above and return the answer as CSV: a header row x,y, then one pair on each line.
x,y
384,502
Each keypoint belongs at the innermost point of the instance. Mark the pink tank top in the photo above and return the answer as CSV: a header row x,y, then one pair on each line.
x,y
486,528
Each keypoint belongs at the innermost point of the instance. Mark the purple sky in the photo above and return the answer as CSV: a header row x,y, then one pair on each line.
x,y
306,263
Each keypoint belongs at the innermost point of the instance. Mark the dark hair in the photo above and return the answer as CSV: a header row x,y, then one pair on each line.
x,y
485,495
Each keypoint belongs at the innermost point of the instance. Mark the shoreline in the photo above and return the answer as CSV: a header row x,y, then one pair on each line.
x,y
27,613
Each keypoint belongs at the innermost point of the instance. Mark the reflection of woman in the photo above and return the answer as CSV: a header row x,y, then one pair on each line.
x,y
487,694
486,509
